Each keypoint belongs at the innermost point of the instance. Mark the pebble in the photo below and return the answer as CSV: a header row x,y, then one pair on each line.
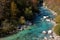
x,y
45,38
48,20
49,31
45,17
44,32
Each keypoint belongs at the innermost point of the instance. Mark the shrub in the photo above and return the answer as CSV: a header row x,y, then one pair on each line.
x,y
57,29
57,19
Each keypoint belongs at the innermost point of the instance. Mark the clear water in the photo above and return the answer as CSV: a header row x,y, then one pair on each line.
x,y
35,32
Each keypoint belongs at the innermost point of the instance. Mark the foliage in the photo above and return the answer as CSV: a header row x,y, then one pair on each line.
x,y
13,8
27,9
17,12
22,20
57,19
57,29
7,26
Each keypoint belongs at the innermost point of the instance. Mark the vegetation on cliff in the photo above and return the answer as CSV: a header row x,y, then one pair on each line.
x,y
57,29
16,12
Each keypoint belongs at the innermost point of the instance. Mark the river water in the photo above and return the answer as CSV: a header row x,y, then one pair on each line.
x,y
35,32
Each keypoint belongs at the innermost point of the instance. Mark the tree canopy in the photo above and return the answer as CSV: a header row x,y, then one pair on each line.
x,y
57,29
15,13
57,19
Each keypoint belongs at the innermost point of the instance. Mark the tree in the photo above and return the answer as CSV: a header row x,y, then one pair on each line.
x,y
18,12
27,9
57,19
13,8
57,29
22,20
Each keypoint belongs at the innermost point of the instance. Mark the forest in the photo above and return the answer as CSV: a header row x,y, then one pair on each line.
x,y
17,12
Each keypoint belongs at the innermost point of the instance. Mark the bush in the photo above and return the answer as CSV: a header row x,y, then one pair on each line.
x,y
57,19
57,29
22,20
7,26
